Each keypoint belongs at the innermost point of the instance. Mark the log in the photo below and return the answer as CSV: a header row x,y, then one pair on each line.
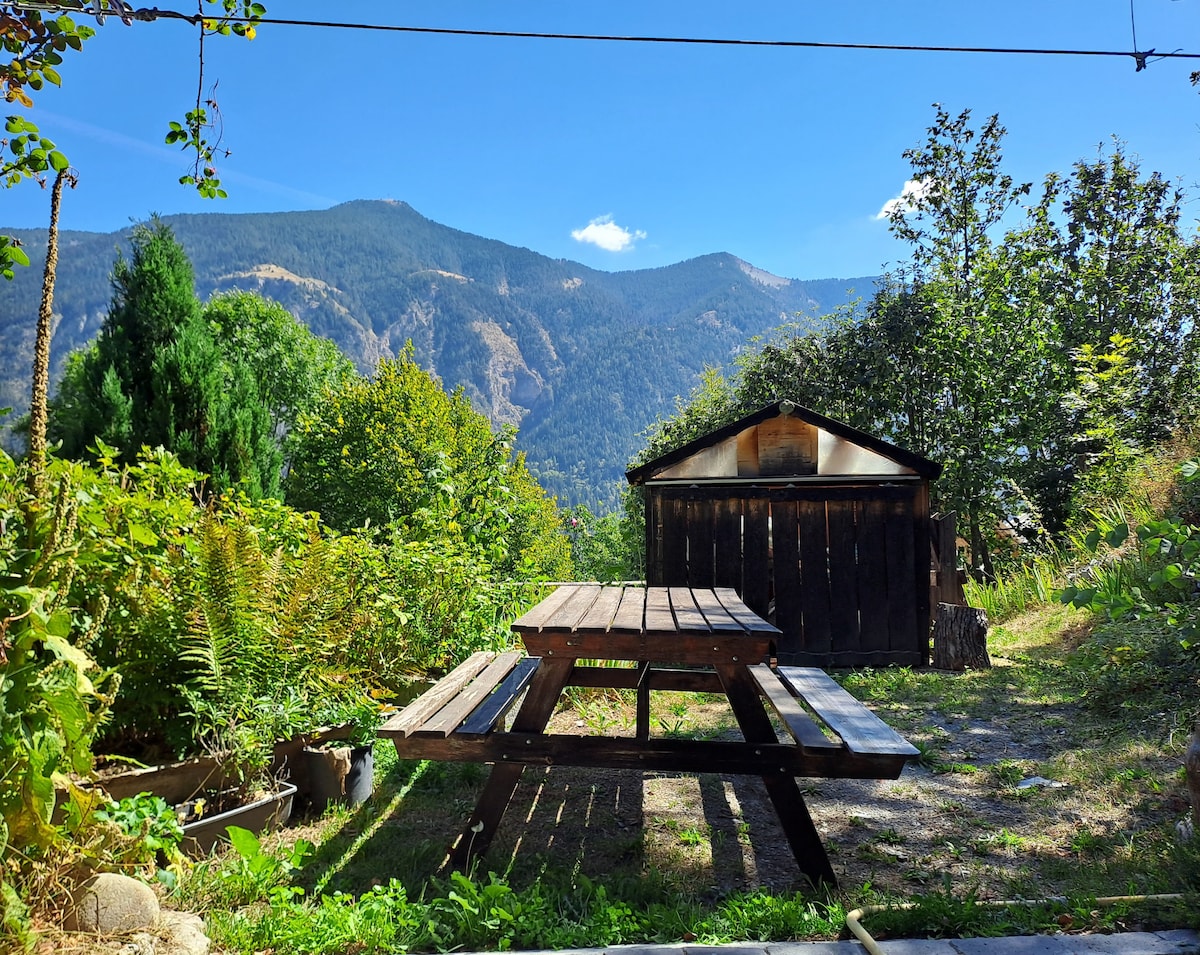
x,y
960,638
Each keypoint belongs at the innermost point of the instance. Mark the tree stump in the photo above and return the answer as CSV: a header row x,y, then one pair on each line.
x,y
960,638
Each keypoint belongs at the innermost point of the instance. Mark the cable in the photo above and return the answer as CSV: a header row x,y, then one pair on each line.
x,y
153,13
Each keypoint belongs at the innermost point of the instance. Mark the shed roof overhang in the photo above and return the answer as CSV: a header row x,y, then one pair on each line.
x,y
665,467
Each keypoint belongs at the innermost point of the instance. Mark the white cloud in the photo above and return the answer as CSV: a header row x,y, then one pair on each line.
x,y
913,192
607,235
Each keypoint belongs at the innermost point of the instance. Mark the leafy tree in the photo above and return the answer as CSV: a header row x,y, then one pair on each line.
x,y
291,366
1104,259
985,350
156,376
395,449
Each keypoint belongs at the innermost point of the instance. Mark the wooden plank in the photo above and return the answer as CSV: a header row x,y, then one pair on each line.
x,y
902,595
600,615
799,724
674,542
861,730
746,618
631,613
686,681
496,706
662,646
687,615
814,576
470,696
727,543
659,619
604,677
428,703
843,577
756,571
654,557
714,611
700,543
536,617
785,573
872,578
659,678
575,608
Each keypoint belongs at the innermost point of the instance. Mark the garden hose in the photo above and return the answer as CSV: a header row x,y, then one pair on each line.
x,y
854,919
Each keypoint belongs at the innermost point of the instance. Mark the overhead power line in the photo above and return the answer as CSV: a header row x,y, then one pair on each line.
x,y
1140,57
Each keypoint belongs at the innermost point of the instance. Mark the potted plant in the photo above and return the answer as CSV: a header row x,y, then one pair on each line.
x,y
241,790
342,769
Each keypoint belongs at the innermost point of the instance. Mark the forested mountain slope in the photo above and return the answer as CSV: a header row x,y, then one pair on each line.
x,y
580,360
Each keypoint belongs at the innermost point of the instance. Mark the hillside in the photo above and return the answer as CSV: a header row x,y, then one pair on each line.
x,y
580,360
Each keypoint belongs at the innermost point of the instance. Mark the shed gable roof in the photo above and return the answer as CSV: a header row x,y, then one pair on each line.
x,y
672,460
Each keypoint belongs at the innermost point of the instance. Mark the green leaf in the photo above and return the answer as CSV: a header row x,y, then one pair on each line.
x,y
143,535
1117,536
58,162
244,842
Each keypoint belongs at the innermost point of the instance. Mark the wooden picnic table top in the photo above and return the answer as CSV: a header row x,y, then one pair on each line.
x,y
634,622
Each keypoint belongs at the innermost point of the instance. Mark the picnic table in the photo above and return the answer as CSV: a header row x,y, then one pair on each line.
x,y
678,638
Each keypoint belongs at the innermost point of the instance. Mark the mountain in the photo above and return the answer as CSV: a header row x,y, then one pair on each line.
x,y
580,360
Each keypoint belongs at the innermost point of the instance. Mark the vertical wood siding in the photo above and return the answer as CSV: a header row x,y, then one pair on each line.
x,y
842,570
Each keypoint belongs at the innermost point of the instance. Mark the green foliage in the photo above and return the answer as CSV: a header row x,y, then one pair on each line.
x,y
600,546
250,874
150,822
486,913
395,449
157,377
291,366
431,604
1162,578
36,44
53,697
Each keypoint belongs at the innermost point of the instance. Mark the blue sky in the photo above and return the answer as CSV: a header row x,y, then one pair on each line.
x,y
617,155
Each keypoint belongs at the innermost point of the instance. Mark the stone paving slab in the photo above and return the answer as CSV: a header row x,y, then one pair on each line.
x,y
1175,942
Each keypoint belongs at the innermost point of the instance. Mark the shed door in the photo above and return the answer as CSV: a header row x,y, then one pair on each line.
x,y
843,571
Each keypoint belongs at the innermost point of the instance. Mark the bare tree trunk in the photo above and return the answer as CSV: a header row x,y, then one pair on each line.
x,y
38,410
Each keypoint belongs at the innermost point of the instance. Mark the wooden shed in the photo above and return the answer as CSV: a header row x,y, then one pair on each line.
x,y
820,528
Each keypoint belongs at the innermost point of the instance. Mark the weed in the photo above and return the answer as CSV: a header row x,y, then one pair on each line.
x,y
1006,772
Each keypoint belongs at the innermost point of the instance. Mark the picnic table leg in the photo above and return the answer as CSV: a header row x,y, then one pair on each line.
x,y
540,699
785,795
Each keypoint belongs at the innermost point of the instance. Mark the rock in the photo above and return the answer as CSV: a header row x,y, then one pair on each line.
x,y
142,943
183,934
1185,831
111,904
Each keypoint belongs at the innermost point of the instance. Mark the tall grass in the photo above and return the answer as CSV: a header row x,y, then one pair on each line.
x,y
1022,588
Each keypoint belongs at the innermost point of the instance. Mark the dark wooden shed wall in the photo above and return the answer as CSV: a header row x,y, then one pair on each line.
x,y
841,569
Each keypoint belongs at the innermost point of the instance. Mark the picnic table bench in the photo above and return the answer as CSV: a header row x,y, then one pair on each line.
x,y
679,639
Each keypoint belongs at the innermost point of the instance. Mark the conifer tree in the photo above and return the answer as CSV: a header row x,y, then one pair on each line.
x,y
156,376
